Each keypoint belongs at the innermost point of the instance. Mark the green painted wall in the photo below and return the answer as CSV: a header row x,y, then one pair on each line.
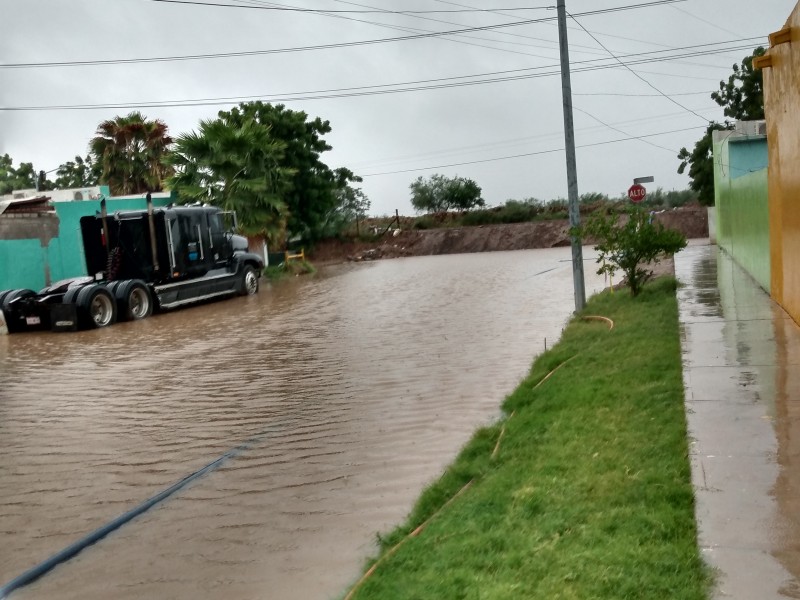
x,y
28,273
22,262
743,207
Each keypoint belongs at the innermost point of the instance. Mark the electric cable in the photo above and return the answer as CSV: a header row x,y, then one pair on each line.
x,y
618,130
552,44
551,151
417,85
408,29
385,163
317,10
322,46
635,73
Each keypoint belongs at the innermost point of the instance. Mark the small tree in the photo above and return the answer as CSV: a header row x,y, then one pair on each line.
x,y
701,164
630,244
353,207
439,193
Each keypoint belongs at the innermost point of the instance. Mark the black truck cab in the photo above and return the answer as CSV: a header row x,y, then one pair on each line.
x,y
138,261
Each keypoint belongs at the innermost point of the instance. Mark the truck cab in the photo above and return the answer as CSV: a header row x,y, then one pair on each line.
x,y
138,261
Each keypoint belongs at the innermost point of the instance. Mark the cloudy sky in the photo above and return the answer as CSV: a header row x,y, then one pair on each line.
x,y
484,103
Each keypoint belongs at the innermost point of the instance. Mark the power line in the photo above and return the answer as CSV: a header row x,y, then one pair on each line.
x,y
417,156
550,43
414,29
644,95
551,151
418,85
452,39
325,46
618,130
503,33
316,10
627,38
702,20
636,74
591,49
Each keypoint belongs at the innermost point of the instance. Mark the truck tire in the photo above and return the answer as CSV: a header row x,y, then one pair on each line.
x,y
10,295
70,297
134,300
3,294
112,287
249,284
96,306
14,322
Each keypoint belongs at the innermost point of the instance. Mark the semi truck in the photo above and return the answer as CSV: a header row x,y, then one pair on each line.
x,y
141,261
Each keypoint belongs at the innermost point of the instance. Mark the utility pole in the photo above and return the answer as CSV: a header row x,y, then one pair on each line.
x,y
572,169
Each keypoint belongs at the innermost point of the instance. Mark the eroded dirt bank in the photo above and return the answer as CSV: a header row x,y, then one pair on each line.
x,y
692,222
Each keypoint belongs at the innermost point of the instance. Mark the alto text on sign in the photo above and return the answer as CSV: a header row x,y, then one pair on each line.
x,y
636,193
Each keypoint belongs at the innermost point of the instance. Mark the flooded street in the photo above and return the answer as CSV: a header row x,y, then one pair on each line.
x,y
352,389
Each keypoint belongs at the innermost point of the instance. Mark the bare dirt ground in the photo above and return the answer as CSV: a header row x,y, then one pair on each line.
x,y
691,221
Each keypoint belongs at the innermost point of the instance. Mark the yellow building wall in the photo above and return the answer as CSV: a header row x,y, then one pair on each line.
x,y
782,108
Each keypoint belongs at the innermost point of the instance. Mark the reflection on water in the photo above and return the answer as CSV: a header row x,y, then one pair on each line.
x,y
359,386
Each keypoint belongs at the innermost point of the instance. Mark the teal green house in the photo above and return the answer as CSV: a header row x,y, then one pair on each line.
x,y
741,198
39,249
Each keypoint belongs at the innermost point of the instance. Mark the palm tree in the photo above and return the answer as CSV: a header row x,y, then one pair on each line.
x,y
235,166
129,152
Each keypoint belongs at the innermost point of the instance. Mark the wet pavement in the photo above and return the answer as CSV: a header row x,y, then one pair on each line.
x,y
741,357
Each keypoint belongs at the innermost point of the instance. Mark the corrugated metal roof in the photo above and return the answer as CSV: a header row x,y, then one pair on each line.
x,y
27,205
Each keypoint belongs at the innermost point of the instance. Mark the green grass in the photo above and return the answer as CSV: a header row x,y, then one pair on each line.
x,y
589,496
275,273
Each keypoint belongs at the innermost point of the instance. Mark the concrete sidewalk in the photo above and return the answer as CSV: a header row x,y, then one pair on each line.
x,y
741,364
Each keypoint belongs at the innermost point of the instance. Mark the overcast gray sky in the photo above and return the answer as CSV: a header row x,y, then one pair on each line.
x,y
392,138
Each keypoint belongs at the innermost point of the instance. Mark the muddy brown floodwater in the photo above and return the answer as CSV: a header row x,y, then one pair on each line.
x,y
356,388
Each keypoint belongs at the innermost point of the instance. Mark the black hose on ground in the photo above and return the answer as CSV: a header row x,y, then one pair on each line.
x,y
70,551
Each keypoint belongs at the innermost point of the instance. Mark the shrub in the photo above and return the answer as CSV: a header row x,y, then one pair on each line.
x,y
627,244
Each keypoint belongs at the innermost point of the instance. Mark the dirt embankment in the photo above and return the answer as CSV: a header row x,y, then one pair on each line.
x,y
692,222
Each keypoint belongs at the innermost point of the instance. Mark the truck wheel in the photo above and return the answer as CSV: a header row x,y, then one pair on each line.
x,y
96,306
134,301
14,321
3,295
249,284
112,287
10,295
70,297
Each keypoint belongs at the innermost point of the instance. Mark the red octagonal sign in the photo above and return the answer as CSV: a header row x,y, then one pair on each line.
x,y
636,193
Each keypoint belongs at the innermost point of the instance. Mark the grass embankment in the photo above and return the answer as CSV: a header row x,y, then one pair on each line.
x,y
588,494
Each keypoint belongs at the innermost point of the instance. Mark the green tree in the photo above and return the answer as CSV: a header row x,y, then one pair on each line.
x,y
76,174
129,153
439,193
24,177
701,164
742,98
742,95
353,206
236,166
630,244
313,190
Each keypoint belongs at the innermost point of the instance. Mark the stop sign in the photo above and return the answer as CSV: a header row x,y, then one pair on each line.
x,y
636,193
